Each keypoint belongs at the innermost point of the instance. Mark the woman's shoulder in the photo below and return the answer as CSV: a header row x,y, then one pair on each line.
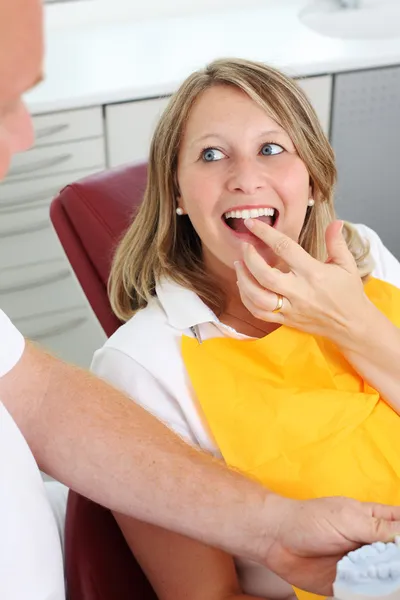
x,y
143,358
145,349
386,265
147,334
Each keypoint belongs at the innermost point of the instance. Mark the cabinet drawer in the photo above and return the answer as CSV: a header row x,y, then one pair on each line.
x,y
50,160
129,129
35,246
16,196
68,126
30,238
39,287
26,232
73,334
319,92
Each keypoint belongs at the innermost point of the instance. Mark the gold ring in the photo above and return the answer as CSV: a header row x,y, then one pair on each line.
x,y
279,303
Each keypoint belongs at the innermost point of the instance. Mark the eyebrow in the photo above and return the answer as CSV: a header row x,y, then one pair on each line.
x,y
217,135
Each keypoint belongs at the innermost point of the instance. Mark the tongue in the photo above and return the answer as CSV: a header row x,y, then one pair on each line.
x,y
239,226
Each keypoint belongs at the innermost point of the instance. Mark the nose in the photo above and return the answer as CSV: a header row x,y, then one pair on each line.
x,y
17,129
247,176
16,135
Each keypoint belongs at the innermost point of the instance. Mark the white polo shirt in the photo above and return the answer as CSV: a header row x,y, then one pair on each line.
x,y
143,359
31,562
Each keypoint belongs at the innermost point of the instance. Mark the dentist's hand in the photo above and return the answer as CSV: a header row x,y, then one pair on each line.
x,y
313,535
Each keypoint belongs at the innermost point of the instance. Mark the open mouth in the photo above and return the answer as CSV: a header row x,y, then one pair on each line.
x,y
235,218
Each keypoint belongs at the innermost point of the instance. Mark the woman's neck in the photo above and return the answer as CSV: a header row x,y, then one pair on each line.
x,y
235,314
240,319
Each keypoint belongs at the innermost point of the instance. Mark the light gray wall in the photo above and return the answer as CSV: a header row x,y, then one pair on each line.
x,y
365,135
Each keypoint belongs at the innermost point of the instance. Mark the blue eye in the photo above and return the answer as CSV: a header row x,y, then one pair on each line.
x,y
271,149
211,154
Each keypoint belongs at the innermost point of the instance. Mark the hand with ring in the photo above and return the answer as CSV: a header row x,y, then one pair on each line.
x,y
279,303
324,299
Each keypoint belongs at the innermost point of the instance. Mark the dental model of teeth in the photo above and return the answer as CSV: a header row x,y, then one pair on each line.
x,y
369,572
250,213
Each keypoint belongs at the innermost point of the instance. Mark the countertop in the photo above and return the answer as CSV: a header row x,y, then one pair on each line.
x,y
132,60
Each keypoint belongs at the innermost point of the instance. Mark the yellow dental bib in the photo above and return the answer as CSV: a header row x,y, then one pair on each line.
x,y
290,411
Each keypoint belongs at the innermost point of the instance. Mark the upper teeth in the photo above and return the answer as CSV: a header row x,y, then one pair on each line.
x,y
251,213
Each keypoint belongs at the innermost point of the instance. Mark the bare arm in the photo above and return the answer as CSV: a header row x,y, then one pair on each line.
x,y
95,440
178,567
326,300
374,351
100,443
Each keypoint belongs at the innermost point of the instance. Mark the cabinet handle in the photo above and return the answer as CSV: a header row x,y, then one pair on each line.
x,y
49,131
58,329
46,163
31,285
17,203
24,230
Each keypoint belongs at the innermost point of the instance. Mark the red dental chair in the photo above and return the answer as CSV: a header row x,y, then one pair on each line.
x,y
89,218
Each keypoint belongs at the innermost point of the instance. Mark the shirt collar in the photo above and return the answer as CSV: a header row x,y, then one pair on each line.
x,y
184,309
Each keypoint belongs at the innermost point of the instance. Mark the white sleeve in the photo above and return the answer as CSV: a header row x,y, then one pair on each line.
x,y
128,376
387,267
12,344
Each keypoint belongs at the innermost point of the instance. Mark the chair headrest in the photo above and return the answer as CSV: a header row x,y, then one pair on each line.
x,y
101,207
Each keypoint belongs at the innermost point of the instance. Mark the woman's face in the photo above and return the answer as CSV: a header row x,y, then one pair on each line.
x,y
234,160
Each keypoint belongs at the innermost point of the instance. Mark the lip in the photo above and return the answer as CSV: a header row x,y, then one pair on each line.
x,y
248,236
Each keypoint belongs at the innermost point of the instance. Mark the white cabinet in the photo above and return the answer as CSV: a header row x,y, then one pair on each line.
x,y
130,125
319,92
129,128
26,233
72,334
38,289
56,128
47,160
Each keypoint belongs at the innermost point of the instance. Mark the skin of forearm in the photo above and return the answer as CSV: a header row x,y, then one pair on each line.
x,y
100,443
373,349
245,597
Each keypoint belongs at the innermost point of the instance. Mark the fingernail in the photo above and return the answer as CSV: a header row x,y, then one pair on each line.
x,y
249,223
236,264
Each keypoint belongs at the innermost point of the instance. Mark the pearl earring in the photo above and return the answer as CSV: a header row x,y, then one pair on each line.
x,y
179,211
311,202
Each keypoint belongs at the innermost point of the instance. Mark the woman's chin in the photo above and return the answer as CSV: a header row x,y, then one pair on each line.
x,y
266,253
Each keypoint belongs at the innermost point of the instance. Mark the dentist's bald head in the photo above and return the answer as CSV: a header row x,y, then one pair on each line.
x,y
21,54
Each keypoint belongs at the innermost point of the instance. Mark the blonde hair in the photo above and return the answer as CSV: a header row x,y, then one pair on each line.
x,y
159,244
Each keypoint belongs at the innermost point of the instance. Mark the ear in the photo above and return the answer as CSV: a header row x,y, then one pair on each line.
x,y
180,204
